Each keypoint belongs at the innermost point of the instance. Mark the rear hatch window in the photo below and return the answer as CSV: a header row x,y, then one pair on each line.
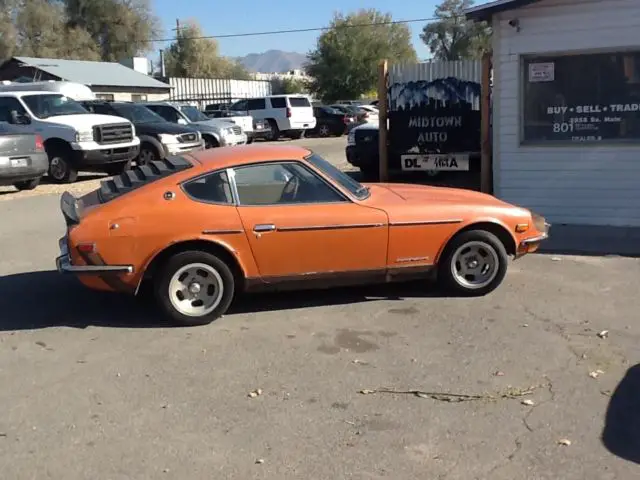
x,y
299,102
140,176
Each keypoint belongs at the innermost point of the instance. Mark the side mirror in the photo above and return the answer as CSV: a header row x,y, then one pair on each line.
x,y
18,119
182,121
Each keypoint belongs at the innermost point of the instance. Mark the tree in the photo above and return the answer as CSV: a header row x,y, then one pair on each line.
x,y
190,55
345,61
284,86
120,28
452,36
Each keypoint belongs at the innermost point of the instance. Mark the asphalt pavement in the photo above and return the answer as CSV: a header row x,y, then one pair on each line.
x,y
536,381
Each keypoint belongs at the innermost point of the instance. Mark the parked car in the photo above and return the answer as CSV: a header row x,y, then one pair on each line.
x,y
158,138
361,115
216,132
261,128
288,115
74,139
23,160
204,226
330,121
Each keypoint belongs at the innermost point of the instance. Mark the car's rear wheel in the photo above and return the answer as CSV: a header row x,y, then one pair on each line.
x,y
194,288
274,134
61,170
324,130
474,263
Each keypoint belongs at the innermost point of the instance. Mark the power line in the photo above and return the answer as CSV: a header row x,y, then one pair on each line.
x,y
296,30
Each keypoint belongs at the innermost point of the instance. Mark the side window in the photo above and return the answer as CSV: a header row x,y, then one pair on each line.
x,y
213,188
256,104
241,105
282,183
278,102
103,109
8,105
168,113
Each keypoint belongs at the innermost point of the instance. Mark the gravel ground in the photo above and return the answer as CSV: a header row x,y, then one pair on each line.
x,y
93,386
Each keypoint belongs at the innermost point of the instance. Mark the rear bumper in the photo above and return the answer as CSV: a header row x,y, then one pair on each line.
x,y
64,265
37,166
105,156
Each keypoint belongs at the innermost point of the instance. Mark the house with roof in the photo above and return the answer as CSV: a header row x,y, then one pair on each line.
x,y
108,80
566,110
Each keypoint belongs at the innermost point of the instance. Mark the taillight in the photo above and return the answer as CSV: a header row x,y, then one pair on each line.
x,y
288,113
87,247
39,144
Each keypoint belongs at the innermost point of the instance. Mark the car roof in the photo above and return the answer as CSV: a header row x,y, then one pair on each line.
x,y
216,158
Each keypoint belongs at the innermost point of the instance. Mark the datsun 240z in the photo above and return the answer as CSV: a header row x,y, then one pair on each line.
x,y
201,227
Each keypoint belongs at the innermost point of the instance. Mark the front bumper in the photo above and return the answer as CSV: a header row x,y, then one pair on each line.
x,y
37,166
179,148
65,265
232,140
105,156
531,244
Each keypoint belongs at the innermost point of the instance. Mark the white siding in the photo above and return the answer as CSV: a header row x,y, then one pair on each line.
x,y
582,184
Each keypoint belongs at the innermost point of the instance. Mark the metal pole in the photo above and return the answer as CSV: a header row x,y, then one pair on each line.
x,y
382,119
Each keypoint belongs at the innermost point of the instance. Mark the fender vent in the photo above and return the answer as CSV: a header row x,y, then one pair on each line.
x,y
139,176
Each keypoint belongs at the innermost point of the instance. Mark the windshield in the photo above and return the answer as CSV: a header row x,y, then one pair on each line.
x,y
52,105
345,181
193,113
137,113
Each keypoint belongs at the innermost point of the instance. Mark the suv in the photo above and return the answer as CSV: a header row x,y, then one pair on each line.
x,y
216,132
158,138
74,139
288,115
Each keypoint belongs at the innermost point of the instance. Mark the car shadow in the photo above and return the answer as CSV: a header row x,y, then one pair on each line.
x,y
621,434
45,299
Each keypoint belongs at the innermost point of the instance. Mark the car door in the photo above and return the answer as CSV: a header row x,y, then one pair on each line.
x,y
12,112
297,224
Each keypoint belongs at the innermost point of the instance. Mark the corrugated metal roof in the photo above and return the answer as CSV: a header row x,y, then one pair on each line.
x,y
487,10
93,73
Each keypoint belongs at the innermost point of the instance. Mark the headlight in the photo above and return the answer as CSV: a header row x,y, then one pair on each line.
x,y
351,139
167,139
86,136
228,131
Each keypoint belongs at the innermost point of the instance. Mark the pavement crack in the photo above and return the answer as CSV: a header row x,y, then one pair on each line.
x,y
509,393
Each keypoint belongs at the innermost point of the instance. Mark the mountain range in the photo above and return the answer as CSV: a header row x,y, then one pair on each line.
x,y
273,61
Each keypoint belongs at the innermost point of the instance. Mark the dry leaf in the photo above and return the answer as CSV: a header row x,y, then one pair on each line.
x,y
565,441
528,402
255,393
603,334
367,392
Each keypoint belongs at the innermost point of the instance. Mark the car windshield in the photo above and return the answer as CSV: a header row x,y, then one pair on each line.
x,y
345,181
193,113
137,113
52,105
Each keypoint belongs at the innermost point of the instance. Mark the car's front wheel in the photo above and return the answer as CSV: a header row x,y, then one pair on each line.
x,y
194,288
474,263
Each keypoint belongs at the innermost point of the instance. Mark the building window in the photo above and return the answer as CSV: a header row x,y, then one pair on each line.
x,y
138,97
105,96
581,98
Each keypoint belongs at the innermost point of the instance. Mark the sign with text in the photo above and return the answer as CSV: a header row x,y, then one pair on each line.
x,y
436,162
542,72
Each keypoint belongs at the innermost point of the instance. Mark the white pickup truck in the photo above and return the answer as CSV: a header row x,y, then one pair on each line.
x,y
74,139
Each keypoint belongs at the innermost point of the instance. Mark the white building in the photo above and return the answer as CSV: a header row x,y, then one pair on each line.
x,y
566,109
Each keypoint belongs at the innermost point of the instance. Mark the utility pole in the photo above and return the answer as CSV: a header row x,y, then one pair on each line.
x,y
177,30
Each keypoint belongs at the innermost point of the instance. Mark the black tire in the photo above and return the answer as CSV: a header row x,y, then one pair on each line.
x,y
296,134
173,266
117,168
210,142
250,140
275,131
27,184
148,153
481,240
324,131
61,169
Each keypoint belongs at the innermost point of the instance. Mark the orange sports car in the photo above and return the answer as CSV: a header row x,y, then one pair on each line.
x,y
201,227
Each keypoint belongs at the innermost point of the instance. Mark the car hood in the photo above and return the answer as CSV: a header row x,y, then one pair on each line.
x,y
84,121
432,195
163,127
214,123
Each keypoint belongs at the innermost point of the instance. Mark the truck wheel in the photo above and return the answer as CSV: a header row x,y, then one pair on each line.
x,y
275,131
210,142
60,168
148,154
27,184
194,288
474,263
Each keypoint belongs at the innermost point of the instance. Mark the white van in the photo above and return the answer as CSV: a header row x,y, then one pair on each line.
x,y
74,139
288,115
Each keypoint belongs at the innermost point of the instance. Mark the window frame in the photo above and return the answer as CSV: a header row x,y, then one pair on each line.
x,y
234,199
521,87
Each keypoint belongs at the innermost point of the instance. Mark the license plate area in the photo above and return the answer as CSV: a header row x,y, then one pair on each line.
x,y
437,162
19,162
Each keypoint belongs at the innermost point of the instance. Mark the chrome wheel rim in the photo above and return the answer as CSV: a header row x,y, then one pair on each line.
x,y
474,265
324,131
196,289
145,156
57,168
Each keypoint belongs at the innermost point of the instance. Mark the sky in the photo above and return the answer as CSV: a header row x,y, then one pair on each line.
x,y
233,17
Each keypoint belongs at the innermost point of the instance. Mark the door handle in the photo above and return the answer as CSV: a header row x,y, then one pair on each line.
x,y
264,227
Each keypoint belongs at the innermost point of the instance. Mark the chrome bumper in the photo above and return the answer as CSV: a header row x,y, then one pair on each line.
x,y
538,238
64,265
